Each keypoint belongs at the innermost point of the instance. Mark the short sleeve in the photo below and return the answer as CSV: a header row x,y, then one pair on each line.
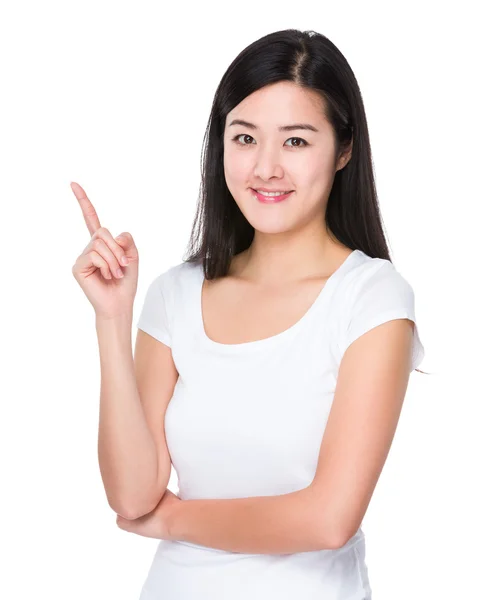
x,y
153,318
380,296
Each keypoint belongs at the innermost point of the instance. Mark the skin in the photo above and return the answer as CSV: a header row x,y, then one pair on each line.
x,y
102,258
291,240
154,524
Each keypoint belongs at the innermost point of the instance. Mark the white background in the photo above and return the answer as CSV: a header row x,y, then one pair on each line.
x,y
116,96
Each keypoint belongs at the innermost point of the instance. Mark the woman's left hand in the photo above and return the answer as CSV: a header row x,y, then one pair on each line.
x,y
156,523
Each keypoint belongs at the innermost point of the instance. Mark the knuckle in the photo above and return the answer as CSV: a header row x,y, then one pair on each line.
x,y
109,240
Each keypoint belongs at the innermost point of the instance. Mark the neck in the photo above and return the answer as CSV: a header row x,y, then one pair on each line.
x,y
274,259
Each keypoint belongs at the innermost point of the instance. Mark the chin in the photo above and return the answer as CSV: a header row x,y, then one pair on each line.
x,y
269,223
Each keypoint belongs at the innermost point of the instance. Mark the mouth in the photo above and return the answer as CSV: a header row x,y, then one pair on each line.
x,y
270,198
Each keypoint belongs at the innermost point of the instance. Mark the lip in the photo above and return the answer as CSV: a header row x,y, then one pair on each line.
x,y
268,190
272,199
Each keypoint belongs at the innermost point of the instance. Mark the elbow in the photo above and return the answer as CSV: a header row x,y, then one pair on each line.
x,y
129,514
330,541
343,536
329,535
339,541
137,506
127,511
136,509
132,512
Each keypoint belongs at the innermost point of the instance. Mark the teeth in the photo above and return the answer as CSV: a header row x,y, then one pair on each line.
x,y
271,193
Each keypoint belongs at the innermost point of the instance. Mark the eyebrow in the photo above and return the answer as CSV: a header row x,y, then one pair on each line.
x,y
283,128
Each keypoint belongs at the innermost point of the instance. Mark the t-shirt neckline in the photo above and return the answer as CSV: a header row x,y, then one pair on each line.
x,y
291,331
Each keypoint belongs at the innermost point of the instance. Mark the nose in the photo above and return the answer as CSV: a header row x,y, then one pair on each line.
x,y
268,164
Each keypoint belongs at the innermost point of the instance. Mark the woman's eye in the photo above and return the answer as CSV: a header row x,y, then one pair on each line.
x,y
235,138
305,143
245,135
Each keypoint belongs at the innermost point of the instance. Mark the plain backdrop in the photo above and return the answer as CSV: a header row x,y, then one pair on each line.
x,y
116,96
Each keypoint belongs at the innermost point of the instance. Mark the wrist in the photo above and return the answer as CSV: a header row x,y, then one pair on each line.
x,y
117,321
114,330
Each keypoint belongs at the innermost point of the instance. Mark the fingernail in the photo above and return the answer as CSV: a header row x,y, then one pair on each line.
x,y
120,273
124,260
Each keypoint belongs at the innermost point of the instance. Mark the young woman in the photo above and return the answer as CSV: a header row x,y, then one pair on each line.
x,y
271,365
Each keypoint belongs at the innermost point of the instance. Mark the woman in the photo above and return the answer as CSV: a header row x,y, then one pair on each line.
x,y
271,365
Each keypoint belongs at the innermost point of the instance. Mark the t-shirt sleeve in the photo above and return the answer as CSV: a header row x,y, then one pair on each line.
x,y
154,318
381,296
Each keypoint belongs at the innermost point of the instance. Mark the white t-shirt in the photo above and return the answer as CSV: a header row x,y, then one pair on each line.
x,y
248,420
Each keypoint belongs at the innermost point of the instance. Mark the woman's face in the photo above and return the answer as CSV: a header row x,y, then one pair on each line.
x,y
262,156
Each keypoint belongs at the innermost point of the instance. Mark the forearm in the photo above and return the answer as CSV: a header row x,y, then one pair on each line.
x,y
259,525
126,450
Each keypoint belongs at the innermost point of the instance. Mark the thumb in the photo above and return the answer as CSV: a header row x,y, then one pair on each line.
x,y
126,242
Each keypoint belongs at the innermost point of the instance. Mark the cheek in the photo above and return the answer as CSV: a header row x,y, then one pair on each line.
x,y
314,167
236,167
314,173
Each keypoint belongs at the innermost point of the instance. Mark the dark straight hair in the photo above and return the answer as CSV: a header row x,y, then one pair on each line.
x,y
312,61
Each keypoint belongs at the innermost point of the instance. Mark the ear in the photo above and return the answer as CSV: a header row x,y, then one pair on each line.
x,y
345,157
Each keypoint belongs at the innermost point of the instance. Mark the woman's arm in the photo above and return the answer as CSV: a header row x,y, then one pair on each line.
x,y
282,524
126,449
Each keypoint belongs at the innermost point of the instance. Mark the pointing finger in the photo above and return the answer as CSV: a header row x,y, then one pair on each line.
x,y
88,210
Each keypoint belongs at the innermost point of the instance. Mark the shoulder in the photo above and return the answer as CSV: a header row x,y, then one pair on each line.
x,y
371,292
180,274
369,277
184,277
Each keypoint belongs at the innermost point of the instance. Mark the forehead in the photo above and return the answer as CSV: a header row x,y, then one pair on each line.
x,y
279,104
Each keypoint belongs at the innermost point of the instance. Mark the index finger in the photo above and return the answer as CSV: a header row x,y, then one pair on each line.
x,y
88,210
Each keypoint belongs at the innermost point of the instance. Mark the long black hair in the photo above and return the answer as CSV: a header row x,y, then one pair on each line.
x,y
311,61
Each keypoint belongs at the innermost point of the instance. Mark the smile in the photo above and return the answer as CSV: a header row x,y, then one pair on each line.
x,y
270,198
